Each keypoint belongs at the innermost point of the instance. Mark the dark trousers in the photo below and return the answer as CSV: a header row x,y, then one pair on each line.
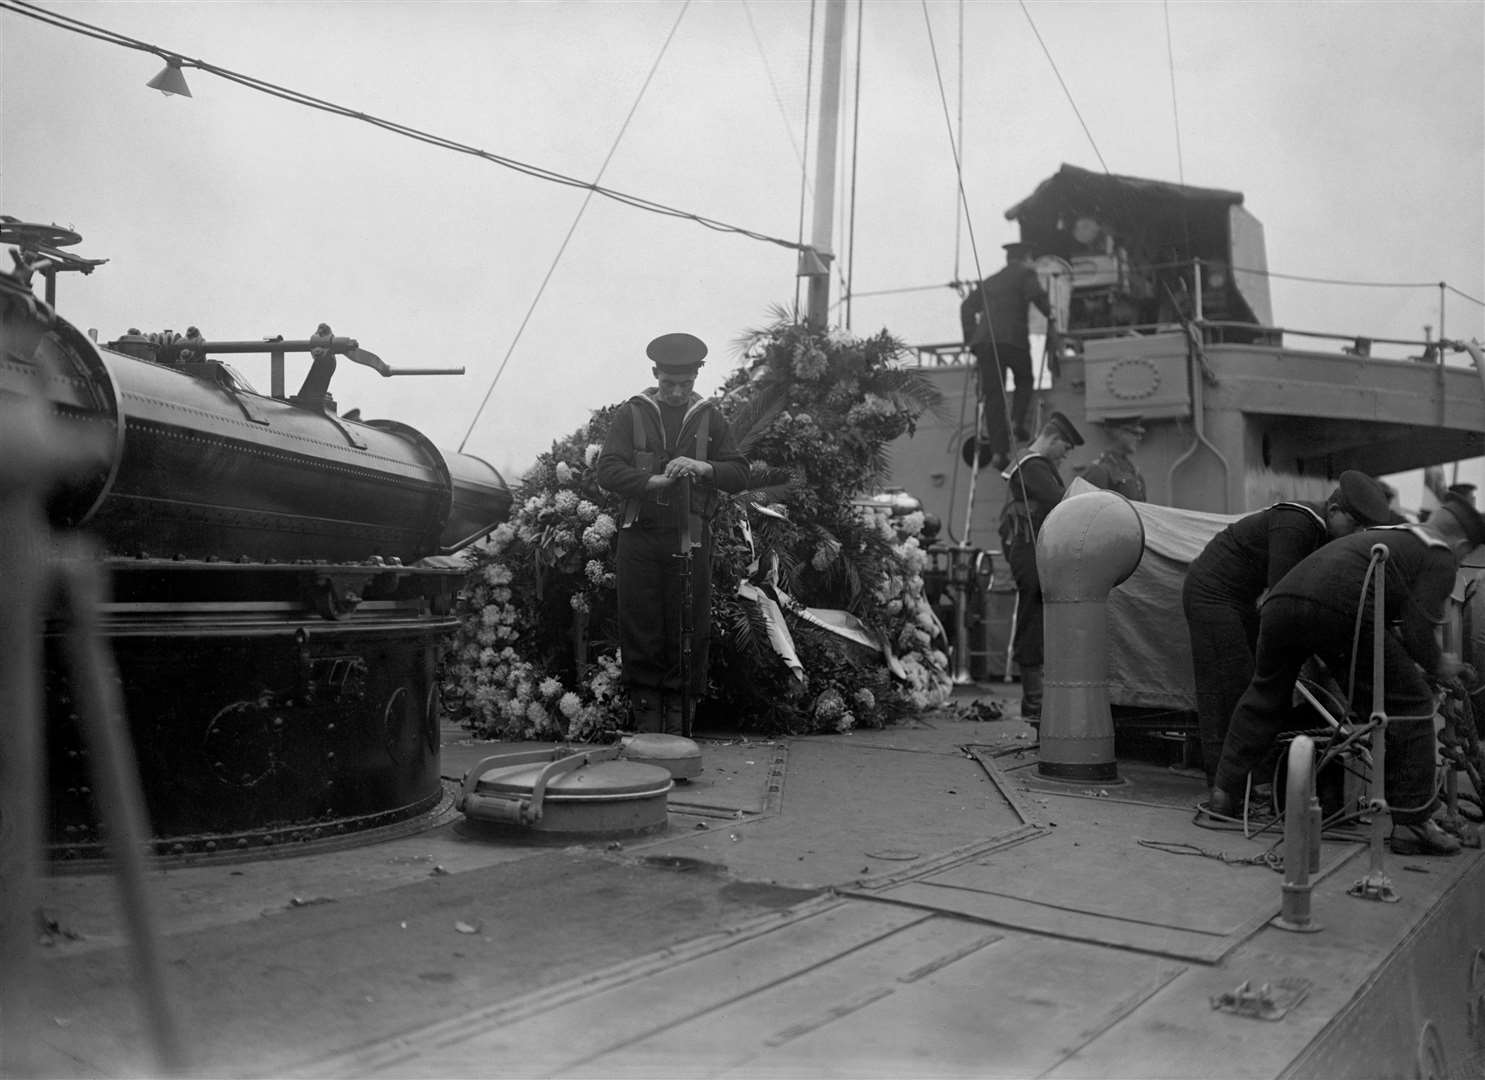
x,y
1224,630
1290,630
1026,645
1017,360
649,581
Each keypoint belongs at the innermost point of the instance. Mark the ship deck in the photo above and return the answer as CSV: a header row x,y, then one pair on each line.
x,y
914,901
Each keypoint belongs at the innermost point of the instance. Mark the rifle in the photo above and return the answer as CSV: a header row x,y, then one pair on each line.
x,y
688,615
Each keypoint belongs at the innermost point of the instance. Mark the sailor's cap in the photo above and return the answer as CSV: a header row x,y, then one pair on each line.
x,y
1363,497
1064,427
1465,513
677,353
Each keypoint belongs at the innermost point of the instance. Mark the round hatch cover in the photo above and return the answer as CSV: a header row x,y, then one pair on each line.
x,y
597,782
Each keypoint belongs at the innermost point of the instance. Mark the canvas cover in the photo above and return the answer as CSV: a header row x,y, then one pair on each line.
x,y
1149,650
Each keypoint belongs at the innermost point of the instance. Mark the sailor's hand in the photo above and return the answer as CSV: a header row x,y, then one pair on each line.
x,y
683,468
659,481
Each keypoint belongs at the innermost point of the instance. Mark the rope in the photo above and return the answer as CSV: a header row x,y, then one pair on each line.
x,y
1271,858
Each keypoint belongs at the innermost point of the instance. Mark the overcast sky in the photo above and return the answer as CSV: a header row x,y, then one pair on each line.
x,y
1355,130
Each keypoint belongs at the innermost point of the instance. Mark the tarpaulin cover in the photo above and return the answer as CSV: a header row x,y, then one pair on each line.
x,y
1149,651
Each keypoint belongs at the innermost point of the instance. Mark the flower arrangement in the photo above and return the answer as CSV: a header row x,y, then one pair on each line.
x,y
536,654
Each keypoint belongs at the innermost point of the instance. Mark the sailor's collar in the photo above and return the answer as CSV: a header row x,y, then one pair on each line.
x,y
1023,459
1302,506
1417,530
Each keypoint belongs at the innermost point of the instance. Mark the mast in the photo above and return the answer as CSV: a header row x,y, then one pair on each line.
x,y
814,261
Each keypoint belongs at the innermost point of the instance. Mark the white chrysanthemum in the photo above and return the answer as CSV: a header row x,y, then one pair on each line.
x,y
596,538
550,687
593,569
490,616
846,722
590,454
564,473
829,706
537,714
504,533
586,511
570,705
580,603
566,501
911,524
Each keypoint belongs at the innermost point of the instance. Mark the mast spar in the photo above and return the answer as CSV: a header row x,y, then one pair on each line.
x,y
814,261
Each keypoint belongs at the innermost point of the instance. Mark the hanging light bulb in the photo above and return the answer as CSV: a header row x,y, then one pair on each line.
x,y
171,79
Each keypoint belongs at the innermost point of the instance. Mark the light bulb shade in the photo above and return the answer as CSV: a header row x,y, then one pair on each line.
x,y
171,80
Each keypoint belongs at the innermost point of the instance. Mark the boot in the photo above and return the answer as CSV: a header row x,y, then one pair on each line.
x,y
673,719
1423,838
1031,694
645,707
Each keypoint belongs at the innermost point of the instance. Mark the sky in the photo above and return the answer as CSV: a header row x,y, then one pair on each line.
x,y
1355,130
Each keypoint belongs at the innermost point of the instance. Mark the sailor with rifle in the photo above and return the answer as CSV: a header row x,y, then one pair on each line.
x,y
667,455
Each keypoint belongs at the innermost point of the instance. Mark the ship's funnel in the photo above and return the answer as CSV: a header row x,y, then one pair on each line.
x,y
1088,544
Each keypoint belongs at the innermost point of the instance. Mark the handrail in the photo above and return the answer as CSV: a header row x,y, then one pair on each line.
x,y
1376,885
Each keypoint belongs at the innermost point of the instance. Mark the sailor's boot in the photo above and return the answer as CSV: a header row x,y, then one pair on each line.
x,y
674,720
646,708
1031,695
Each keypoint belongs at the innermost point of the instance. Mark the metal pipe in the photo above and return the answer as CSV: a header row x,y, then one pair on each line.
x,y
1376,885
1088,544
1301,838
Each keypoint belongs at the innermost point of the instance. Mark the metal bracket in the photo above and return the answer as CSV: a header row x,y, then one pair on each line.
x,y
1375,886
1270,1001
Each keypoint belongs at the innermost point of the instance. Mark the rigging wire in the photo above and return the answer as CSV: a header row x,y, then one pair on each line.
x,y
974,248
850,274
571,229
809,87
77,26
1026,11
773,85
1170,59
959,134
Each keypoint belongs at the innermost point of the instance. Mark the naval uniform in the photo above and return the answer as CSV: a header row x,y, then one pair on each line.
x,y
1033,487
1001,342
1318,609
1220,599
1115,472
644,436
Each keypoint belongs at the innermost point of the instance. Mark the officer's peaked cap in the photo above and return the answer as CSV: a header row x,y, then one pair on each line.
x,y
1363,497
677,353
1130,420
1465,513
1064,427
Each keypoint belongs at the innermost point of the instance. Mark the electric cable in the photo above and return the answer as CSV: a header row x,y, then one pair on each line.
x,y
65,22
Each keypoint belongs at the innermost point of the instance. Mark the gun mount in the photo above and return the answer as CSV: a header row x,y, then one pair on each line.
x,y
279,595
